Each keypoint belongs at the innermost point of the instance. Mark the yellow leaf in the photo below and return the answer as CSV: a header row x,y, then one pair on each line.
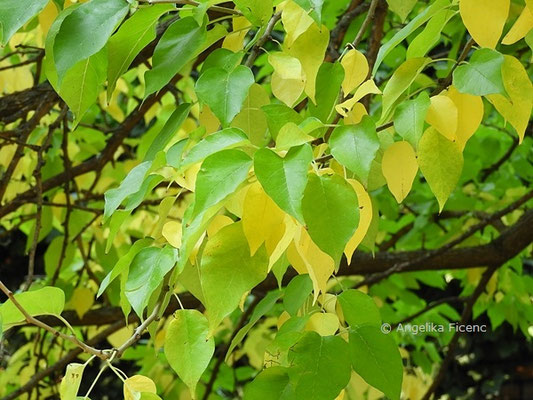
x,y
520,90
208,120
521,27
366,88
355,70
260,218
70,383
280,239
288,79
137,384
187,180
172,233
310,259
234,204
443,115
309,48
217,223
295,21
118,338
355,115
291,135
365,218
47,17
325,324
82,300
235,40
470,114
399,168
485,19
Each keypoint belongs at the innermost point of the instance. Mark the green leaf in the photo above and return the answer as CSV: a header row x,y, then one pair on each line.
x,y
265,305
225,91
441,162
412,26
356,146
331,213
227,271
221,174
482,75
123,263
14,14
296,292
46,301
169,130
187,347
376,358
320,367
284,179
291,135
175,49
409,118
85,32
400,81
402,7
133,36
146,274
359,309
328,83
271,384
130,185
429,37
222,58
252,119
224,139
278,115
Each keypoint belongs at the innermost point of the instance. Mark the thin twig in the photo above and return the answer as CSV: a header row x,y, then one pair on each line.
x,y
262,40
366,23
224,10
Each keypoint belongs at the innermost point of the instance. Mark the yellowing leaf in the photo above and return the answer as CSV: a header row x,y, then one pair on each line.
x,y
137,384
172,233
70,383
441,162
235,40
82,300
47,17
356,114
365,218
443,115
217,223
366,88
279,241
309,48
288,79
317,264
291,135
325,324
470,114
295,21
355,70
399,168
261,217
518,86
521,27
485,19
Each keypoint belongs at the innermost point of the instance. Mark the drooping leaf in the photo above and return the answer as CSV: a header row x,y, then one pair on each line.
x,y
409,118
400,81
359,309
482,75
225,91
85,32
470,114
175,49
133,36
46,301
223,252
328,83
443,116
431,34
70,384
187,346
494,13
521,27
220,175
14,14
441,162
355,146
296,292
330,212
375,357
355,67
366,214
288,79
146,274
399,167
320,366
284,179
